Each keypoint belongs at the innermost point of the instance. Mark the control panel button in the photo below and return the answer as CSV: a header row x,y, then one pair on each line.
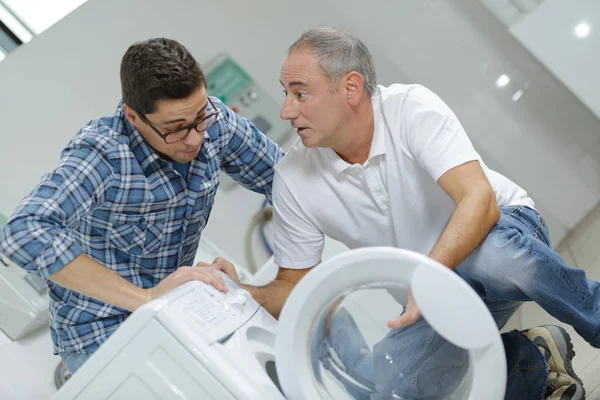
x,y
243,295
234,303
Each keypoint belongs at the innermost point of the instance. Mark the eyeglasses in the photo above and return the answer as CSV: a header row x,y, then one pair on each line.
x,y
201,125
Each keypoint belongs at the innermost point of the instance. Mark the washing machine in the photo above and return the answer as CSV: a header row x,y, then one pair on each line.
x,y
331,340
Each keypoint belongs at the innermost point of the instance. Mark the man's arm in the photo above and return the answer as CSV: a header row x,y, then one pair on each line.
x,y
438,142
273,295
38,237
475,214
86,276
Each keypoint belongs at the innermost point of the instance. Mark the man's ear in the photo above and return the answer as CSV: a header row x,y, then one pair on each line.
x,y
354,85
130,115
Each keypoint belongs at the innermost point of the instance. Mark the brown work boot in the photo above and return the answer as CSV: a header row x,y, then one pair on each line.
x,y
555,344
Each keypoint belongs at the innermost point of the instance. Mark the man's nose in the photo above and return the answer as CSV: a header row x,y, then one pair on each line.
x,y
288,110
194,138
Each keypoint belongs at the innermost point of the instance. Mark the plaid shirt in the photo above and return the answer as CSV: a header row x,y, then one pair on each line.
x,y
115,200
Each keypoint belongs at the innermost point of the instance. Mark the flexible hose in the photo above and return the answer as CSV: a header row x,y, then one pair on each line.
x,y
264,215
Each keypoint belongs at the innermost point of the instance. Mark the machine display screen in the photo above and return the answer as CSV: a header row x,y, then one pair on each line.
x,y
227,80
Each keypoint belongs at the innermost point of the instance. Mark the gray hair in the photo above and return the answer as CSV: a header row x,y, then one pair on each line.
x,y
339,53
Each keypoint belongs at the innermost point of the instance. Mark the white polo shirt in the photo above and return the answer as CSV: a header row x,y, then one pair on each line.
x,y
316,193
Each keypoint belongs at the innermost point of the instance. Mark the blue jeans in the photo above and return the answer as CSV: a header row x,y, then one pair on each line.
x,y
73,361
514,263
433,371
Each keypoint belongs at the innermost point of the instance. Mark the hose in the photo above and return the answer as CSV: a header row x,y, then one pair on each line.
x,y
259,219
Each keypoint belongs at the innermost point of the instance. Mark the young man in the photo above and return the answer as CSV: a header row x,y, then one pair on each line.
x,y
117,223
393,166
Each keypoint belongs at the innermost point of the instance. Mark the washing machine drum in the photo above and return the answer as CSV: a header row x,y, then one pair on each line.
x,y
333,341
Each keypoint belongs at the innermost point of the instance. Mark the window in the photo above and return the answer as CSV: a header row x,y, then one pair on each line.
x,y
21,20
12,26
39,15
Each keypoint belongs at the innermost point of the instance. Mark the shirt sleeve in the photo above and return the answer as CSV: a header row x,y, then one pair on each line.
x,y
37,237
250,156
297,243
435,136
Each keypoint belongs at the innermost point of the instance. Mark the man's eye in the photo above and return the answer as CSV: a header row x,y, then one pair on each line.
x,y
285,92
176,129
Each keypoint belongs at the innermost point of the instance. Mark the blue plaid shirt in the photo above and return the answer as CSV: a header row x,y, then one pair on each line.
x,y
113,198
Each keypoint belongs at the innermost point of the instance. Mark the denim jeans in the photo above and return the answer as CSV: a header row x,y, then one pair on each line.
x,y
434,371
513,264
74,361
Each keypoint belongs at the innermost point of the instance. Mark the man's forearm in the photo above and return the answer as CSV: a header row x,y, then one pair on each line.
x,y
470,223
86,276
272,296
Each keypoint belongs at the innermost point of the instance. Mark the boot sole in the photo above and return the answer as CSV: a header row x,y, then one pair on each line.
x,y
564,346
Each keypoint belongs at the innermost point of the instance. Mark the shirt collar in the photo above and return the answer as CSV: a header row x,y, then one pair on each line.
x,y
333,161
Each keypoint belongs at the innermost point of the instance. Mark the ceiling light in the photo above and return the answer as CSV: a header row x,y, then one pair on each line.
x,y
502,81
582,30
517,95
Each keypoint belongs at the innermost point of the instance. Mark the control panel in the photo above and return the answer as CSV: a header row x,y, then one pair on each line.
x,y
212,314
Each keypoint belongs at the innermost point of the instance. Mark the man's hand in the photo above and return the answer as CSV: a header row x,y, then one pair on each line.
x,y
220,264
410,315
187,274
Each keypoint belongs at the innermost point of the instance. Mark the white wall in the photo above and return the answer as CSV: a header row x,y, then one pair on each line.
x,y
69,74
549,33
511,11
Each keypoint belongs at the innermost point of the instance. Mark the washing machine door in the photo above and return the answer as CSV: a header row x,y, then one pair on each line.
x,y
333,341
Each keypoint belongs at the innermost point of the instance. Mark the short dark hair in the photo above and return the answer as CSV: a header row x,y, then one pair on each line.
x,y
158,69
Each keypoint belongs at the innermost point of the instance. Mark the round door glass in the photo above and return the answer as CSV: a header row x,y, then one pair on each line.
x,y
355,355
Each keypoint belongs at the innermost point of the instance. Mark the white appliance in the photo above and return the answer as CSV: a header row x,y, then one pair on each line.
x,y
198,343
23,299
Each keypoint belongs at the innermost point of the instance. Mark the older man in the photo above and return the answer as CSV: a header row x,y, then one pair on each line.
x,y
393,166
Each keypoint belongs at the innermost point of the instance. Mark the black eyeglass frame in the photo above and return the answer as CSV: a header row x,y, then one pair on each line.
x,y
193,125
